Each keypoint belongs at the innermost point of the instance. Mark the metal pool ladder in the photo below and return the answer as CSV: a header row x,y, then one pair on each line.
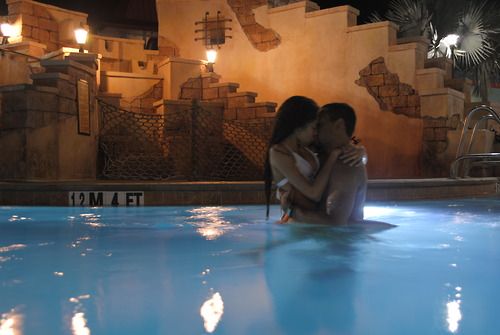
x,y
463,151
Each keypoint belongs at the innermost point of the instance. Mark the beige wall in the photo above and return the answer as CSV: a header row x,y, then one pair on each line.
x,y
320,55
129,85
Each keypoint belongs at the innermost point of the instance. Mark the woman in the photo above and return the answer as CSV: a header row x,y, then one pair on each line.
x,y
291,163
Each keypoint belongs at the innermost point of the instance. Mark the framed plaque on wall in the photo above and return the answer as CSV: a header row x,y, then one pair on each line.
x,y
83,96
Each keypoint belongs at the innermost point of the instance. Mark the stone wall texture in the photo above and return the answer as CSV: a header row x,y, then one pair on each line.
x,y
436,143
37,23
39,126
388,91
263,39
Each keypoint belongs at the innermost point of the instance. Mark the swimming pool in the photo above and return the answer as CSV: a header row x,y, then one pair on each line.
x,y
225,270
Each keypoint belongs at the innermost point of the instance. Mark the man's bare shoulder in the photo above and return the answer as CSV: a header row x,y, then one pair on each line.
x,y
343,172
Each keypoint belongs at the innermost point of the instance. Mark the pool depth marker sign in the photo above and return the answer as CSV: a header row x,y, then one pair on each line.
x,y
101,198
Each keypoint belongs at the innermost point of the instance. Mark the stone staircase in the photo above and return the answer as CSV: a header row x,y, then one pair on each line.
x,y
237,105
246,124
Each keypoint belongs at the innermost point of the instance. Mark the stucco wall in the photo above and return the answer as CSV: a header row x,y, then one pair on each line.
x,y
39,124
320,55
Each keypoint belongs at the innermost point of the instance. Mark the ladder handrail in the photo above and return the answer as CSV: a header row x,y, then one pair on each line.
x,y
491,114
486,117
455,163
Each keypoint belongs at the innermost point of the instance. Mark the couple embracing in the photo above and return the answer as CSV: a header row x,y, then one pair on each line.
x,y
319,173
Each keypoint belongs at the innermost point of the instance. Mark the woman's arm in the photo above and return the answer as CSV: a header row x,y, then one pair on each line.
x,y
354,155
285,164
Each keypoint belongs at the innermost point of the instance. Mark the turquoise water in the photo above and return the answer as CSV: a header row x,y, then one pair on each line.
x,y
225,270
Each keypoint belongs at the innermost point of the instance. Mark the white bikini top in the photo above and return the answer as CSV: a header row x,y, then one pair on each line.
x,y
304,168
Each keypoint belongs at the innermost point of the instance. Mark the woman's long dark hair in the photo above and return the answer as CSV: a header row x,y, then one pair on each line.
x,y
294,113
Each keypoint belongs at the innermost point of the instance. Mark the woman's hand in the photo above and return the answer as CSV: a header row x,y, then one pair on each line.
x,y
354,155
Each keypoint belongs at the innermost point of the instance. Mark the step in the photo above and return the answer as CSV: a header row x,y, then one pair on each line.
x,y
209,78
65,66
256,110
240,99
61,81
219,90
430,78
264,109
442,63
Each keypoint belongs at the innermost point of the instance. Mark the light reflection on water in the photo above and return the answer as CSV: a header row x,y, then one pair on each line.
x,y
210,221
14,218
211,312
454,315
79,324
11,323
92,220
12,247
78,320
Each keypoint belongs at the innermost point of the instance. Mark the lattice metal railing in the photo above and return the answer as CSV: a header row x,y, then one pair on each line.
x,y
133,145
186,142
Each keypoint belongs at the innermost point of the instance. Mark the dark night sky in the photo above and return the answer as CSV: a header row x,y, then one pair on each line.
x,y
142,11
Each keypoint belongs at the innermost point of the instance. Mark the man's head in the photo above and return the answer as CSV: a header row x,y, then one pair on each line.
x,y
336,124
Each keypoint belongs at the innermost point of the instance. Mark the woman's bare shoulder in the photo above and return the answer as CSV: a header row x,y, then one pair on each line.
x,y
279,149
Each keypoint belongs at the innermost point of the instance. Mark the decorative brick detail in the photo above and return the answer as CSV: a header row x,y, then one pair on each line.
x,y
262,39
389,92
37,23
237,105
435,143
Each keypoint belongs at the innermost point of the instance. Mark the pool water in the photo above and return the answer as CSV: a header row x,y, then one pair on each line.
x,y
226,270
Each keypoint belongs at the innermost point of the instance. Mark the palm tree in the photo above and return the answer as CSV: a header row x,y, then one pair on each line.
x,y
478,49
466,31
411,16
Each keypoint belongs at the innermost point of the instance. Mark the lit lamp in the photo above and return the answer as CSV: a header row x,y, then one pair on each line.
x,y
7,31
451,42
81,37
211,57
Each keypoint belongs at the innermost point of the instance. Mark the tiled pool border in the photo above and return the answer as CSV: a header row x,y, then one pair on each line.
x,y
55,193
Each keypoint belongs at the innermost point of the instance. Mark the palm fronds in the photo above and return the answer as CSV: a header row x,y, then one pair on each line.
x,y
476,52
411,16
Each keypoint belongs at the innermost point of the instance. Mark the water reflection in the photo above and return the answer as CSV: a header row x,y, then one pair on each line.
x,y
375,212
453,312
11,323
92,220
211,312
453,315
79,324
79,240
14,218
310,273
210,222
78,321
12,247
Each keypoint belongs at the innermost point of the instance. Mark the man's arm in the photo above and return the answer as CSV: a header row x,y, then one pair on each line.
x,y
359,203
345,198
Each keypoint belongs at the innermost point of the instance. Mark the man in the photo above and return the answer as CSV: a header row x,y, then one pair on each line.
x,y
345,194
346,191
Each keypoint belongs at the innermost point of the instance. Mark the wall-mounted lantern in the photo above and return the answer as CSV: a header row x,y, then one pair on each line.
x,y
81,37
211,57
7,31
213,33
